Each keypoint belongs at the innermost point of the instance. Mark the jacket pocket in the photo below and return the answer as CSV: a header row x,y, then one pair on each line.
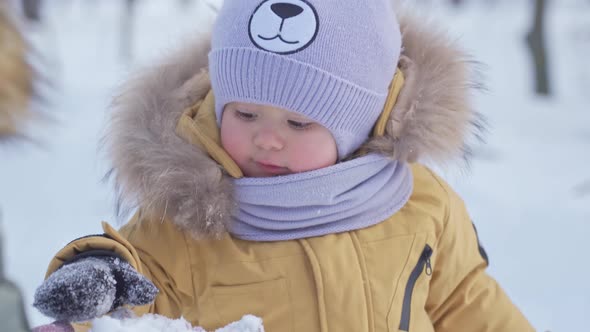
x,y
269,300
423,266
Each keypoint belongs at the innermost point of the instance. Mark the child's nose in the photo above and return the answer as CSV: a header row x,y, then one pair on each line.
x,y
268,139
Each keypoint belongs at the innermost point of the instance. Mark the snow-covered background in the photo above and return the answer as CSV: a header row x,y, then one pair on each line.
x,y
528,189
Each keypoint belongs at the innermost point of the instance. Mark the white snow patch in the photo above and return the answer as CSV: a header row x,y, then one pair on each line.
x,y
248,323
158,323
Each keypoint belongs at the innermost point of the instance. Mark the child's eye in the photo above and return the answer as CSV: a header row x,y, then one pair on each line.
x,y
299,125
245,115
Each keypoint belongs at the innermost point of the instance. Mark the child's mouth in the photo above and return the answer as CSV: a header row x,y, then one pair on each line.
x,y
272,169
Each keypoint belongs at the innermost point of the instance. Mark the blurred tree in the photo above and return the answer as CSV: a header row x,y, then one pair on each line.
x,y
535,39
209,4
582,189
12,313
127,20
15,92
32,10
16,87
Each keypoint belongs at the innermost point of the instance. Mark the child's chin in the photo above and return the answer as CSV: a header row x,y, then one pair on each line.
x,y
266,173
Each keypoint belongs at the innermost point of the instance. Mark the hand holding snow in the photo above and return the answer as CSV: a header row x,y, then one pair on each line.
x,y
90,288
157,323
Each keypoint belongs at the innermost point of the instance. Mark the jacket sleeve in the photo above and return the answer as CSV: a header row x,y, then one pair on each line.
x,y
463,297
146,250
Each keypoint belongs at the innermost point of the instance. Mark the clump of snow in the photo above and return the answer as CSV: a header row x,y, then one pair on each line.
x,y
158,323
248,323
146,323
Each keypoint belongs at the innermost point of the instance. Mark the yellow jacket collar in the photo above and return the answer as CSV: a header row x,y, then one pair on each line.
x,y
198,126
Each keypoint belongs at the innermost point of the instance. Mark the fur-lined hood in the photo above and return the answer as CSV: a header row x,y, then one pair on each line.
x,y
168,178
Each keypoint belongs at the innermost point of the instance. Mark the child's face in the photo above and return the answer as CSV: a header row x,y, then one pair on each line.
x,y
268,141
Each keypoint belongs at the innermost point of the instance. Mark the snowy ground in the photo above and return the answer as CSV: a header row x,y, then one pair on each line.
x,y
528,189
157,323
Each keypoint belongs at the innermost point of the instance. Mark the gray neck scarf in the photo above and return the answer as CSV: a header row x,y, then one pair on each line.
x,y
340,198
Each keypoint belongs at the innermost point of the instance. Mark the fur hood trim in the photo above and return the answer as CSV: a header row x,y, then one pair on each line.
x,y
168,178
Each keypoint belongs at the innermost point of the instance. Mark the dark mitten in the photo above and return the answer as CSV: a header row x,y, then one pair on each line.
x,y
91,287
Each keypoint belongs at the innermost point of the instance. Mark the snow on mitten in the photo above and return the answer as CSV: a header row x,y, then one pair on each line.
x,y
91,287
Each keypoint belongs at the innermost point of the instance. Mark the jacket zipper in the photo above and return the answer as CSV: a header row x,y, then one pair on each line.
x,y
422,265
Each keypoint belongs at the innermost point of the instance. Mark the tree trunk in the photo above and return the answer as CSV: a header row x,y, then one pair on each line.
x,y
583,189
536,42
185,3
127,30
12,312
211,6
32,10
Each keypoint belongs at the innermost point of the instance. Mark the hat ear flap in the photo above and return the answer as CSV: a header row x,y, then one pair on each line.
x,y
394,90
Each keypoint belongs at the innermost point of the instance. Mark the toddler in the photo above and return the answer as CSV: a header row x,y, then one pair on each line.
x,y
274,171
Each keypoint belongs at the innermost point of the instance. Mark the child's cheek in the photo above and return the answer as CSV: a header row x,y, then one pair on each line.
x,y
312,153
230,145
299,160
232,141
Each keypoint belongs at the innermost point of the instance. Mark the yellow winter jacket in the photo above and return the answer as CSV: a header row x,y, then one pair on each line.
x,y
420,270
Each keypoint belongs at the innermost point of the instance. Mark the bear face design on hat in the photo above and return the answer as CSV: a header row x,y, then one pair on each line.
x,y
329,60
283,26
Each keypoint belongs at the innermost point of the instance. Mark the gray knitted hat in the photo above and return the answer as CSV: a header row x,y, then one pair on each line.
x,y
330,60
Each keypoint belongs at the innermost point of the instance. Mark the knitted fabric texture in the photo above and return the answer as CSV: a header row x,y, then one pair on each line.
x,y
347,196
